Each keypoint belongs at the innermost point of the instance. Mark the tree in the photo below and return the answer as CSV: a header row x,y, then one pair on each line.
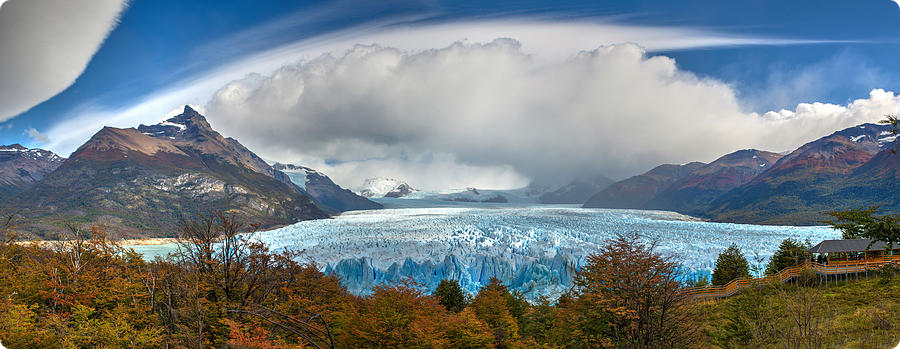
x,y
465,330
866,223
790,253
7,228
491,306
224,287
627,295
398,315
731,264
451,295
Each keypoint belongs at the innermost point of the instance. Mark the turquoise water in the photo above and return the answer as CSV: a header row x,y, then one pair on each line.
x,y
150,252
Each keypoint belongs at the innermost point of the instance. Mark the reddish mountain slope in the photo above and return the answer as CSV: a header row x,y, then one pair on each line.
x,y
693,191
638,191
142,181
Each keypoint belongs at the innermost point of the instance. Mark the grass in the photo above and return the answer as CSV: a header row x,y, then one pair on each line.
x,y
857,313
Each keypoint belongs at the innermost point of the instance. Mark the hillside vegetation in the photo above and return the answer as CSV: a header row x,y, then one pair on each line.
x,y
858,313
225,290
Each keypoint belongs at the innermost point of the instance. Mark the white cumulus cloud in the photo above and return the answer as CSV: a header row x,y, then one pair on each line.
x,y
492,107
46,44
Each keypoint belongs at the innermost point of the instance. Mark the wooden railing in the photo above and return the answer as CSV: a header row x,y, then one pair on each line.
x,y
786,274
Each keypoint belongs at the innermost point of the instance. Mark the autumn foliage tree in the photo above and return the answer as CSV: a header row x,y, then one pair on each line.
x,y
84,292
402,315
627,295
492,306
223,287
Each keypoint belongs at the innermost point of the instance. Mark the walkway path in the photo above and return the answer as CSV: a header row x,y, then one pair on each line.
x,y
786,274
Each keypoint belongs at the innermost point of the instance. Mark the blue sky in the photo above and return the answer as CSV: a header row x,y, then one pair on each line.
x,y
773,55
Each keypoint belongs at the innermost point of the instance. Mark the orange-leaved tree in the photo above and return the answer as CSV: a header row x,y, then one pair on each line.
x,y
627,295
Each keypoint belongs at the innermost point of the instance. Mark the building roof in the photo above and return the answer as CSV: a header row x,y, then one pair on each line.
x,y
847,245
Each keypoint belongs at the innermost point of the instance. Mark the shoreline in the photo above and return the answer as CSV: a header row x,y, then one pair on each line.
x,y
123,242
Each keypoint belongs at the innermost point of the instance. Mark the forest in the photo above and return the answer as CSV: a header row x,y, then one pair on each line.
x,y
223,290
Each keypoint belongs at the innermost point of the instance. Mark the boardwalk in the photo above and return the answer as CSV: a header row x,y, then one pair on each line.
x,y
786,274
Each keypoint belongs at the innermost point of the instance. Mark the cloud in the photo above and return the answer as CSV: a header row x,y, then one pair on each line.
x,y
474,111
430,171
45,45
613,110
539,39
35,135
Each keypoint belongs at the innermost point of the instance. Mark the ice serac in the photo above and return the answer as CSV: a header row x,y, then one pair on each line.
x,y
21,166
850,168
142,181
638,191
324,190
536,250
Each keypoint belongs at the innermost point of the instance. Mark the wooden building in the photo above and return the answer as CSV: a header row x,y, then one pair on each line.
x,y
848,250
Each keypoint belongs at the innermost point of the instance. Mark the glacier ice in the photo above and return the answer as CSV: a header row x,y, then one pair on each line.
x,y
536,250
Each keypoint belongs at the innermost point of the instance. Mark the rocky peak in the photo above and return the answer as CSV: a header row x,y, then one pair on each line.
x,y
20,165
17,151
188,124
13,147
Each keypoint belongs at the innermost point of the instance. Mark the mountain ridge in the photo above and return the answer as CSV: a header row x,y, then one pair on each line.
x,y
324,190
20,166
849,168
142,181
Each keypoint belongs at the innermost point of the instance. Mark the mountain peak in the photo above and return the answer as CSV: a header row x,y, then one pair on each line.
x,y
21,166
382,187
189,121
13,147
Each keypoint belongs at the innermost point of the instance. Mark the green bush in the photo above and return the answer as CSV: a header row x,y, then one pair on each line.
x,y
731,264
790,253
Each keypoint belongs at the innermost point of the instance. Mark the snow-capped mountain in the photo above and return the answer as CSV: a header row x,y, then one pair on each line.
x,y
141,181
21,166
473,195
324,190
850,168
379,187
847,169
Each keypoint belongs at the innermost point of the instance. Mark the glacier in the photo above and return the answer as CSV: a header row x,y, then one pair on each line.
x,y
536,250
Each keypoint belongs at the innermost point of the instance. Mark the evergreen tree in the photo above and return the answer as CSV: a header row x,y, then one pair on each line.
x,y
868,223
790,253
451,295
730,265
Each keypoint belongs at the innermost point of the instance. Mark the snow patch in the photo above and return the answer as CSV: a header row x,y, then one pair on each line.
x,y
169,123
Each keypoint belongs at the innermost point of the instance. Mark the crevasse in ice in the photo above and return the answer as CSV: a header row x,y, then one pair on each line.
x,y
536,250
